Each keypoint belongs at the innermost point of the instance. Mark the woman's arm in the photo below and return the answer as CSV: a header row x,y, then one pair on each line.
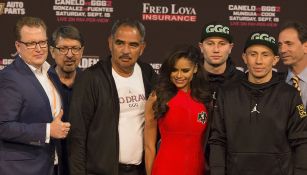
x,y
150,133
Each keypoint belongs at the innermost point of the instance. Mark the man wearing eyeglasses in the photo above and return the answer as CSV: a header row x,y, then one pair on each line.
x,y
67,45
31,107
66,48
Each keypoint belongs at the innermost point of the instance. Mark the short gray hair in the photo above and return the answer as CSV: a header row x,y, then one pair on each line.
x,y
131,23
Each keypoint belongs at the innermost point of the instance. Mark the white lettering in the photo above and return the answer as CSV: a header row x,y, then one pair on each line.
x,y
242,7
182,10
217,28
147,8
263,36
268,8
69,2
87,62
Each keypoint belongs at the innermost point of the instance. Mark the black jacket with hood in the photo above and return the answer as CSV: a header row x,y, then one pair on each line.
x,y
217,80
259,129
94,116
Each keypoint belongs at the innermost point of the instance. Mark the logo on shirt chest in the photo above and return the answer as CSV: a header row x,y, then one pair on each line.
x,y
132,100
202,117
301,110
255,109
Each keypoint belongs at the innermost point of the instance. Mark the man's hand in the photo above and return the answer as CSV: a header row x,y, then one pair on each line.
x,y
59,129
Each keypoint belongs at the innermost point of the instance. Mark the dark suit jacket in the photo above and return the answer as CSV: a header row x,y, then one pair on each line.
x,y
24,112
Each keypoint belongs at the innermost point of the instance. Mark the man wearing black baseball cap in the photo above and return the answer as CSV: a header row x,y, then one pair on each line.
x,y
216,44
259,124
260,55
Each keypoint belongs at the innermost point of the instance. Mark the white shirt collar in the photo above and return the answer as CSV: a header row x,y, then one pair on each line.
x,y
42,70
302,76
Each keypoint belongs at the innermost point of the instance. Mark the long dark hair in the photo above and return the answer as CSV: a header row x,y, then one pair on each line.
x,y
165,89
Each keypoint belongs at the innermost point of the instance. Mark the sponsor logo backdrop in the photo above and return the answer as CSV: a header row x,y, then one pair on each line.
x,y
167,23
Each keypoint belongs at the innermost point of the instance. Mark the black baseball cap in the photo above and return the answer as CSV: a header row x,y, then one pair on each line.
x,y
215,29
262,38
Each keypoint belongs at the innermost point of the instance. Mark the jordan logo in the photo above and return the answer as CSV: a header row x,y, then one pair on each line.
x,y
255,109
214,95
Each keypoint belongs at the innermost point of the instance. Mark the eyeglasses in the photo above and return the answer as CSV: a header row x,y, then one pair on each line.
x,y
32,45
64,50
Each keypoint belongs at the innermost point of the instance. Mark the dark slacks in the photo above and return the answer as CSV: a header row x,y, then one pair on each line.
x,y
55,170
124,169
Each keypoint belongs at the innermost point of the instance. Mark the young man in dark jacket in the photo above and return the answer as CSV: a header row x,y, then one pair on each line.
x,y
107,108
216,44
259,125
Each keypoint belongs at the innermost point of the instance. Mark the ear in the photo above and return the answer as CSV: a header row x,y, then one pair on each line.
x,y
17,45
143,45
231,46
244,58
110,42
275,60
52,50
305,47
201,47
195,68
81,51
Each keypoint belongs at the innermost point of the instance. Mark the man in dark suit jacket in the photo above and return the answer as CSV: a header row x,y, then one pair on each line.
x,y
30,114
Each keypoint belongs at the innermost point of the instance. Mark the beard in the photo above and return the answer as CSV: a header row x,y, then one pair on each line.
x,y
69,69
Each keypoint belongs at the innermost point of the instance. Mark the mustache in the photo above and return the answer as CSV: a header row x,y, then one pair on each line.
x,y
124,56
70,60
